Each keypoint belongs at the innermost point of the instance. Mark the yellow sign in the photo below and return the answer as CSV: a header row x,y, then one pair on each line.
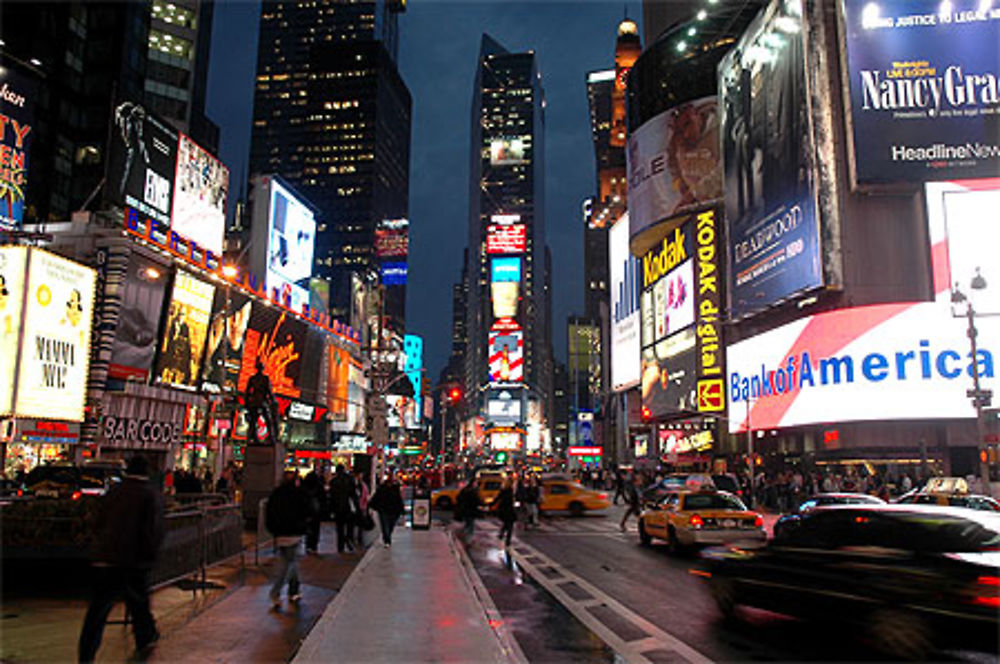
x,y
658,262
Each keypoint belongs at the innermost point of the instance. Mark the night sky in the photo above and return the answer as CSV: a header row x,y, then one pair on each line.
x,y
438,57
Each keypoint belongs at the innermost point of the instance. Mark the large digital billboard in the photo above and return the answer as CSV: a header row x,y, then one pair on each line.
x,y
279,342
504,270
506,239
504,295
185,331
55,348
338,382
17,108
392,238
201,184
673,163
924,97
402,412
623,270
508,151
13,266
394,274
142,161
134,346
291,239
413,350
770,204
506,355
965,234
882,362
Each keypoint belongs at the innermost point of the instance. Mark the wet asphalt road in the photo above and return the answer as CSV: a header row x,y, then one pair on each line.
x,y
652,584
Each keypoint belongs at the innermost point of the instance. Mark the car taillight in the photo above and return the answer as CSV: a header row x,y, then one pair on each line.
x,y
76,495
20,493
991,583
602,496
988,580
758,522
696,521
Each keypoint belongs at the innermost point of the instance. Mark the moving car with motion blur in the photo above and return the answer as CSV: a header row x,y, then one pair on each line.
x,y
949,492
561,494
688,519
821,500
907,577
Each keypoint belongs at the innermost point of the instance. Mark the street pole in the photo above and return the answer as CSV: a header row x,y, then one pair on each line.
x,y
750,455
977,400
444,407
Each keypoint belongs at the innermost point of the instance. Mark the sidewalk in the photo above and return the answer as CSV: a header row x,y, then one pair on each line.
x,y
418,601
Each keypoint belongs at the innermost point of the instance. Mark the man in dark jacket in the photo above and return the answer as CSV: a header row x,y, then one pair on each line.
x,y
288,514
388,502
343,503
128,535
467,509
313,486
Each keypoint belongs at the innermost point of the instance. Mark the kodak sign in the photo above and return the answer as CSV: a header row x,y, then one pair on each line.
x,y
662,259
710,349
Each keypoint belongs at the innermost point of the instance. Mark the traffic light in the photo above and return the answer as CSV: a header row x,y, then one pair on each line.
x,y
501,457
454,394
647,414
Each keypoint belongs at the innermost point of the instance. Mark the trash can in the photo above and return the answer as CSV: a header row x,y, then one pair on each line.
x,y
420,510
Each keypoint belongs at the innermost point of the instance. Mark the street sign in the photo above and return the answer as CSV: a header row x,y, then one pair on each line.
x,y
972,394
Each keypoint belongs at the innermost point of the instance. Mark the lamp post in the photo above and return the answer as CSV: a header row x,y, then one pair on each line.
x,y
980,397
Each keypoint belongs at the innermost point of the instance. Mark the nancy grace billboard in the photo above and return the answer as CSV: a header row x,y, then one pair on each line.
x,y
770,202
17,107
924,80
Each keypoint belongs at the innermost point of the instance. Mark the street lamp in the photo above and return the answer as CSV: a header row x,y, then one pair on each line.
x,y
980,397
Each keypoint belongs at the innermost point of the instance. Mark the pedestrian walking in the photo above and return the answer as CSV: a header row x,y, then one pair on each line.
x,y
388,502
521,501
287,518
632,496
504,503
128,534
619,486
467,509
534,494
343,502
363,517
312,485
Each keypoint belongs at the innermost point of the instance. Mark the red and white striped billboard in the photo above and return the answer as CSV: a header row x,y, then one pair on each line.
x,y
506,351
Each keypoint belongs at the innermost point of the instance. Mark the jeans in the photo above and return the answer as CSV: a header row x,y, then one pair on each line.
x,y
287,569
506,530
345,530
110,583
387,522
469,529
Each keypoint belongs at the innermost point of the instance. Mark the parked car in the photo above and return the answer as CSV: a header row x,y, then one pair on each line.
x,y
64,480
908,577
687,519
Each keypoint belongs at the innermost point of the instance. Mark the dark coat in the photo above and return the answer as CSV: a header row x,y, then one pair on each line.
x,y
313,487
505,505
467,503
343,495
130,525
288,511
388,500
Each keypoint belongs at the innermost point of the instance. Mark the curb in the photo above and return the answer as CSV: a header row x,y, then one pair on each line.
x,y
508,644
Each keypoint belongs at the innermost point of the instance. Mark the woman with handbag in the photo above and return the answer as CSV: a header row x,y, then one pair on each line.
x,y
363,518
388,502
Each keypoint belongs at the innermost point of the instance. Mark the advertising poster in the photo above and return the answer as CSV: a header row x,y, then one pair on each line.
x,y
504,411
201,185
962,217
669,384
673,300
392,238
358,306
924,97
402,412
278,340
668,297
774,247
503,270
506,239
142,161
226,337
673,163
505,296
413,349
625,320
338,382
290,245
506,356
13,264
55,352
394,274
507,151
185,331
134,346
17,107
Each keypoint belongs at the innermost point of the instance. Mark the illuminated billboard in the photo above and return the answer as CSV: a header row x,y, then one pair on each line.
x,y
338,382
201,184
185,332
55,348
227,333
505,296
392,238
504,410
13,264
505,270
17,107
509,441
924,98
142,161
506,355
291,240
506,239
963,224
402,412
278,341
508,151
413,349
625,320
394,274
134,346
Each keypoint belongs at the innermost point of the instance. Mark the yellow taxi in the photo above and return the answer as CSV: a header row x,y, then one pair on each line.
x,y
490,483
562,494
691,518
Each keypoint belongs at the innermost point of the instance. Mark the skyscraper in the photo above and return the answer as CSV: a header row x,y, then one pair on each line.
x,y
332,116
507,320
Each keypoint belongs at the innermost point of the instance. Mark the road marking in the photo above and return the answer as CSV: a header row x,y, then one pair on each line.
x,y
654,642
